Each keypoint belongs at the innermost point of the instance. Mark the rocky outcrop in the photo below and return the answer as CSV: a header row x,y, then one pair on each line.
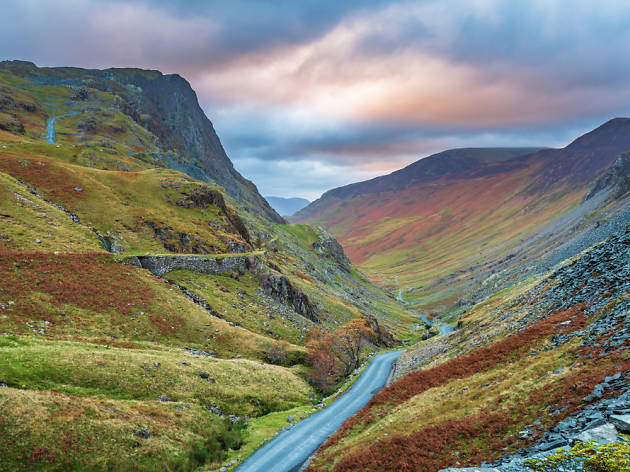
x,y
383,337
167,106
202,196
616,180
178,241
160,265
330,247
280,288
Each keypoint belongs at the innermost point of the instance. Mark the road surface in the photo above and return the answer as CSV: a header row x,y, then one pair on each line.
x,y
290,449
50,128
443,328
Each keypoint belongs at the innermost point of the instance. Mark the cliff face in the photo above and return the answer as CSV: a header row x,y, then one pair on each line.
x,y
167,107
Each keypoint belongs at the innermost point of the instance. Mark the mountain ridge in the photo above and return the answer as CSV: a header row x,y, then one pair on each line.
x,y
445,223
167,106
287,206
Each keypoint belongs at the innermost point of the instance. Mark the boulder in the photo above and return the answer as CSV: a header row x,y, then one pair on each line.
x,y
602,434
621,422
143,433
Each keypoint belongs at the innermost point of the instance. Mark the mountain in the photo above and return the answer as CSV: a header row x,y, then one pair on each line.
x,y
287,206
441,226
178,133
154,310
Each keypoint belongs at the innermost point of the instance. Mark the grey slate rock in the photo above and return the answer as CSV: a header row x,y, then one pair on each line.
x,y
143,433
621,422
602,434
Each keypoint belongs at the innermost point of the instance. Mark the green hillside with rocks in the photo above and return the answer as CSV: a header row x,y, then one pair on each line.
x,y
154,309
157,314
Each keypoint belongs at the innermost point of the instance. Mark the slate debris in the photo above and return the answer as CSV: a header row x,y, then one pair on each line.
x,y
601,421
599,279
143,433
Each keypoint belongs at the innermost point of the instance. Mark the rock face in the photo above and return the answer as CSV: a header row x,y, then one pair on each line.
x,y
160,265
330,247
616,179
203,196
280,288
621,422
383,337
167,106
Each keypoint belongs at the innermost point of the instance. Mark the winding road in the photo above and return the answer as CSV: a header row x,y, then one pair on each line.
x,y
442,328
291,448
50,126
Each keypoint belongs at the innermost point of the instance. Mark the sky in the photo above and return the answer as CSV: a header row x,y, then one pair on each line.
x,y
309,95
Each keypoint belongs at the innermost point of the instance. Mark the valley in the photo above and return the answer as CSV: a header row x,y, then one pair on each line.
x,y
156,313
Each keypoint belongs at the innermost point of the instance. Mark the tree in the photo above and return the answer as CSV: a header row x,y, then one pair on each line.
x,y
334,355
324,365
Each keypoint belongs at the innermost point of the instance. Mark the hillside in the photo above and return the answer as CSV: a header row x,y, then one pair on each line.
x,y
154,309
149,116
534,374
441,226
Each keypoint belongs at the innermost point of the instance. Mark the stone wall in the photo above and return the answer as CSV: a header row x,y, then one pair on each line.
x,y
160,265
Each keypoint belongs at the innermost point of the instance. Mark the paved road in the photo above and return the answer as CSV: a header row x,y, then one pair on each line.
x,y
50,126
443,328
50,130
288,450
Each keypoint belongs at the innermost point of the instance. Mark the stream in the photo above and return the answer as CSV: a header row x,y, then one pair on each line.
x,y
442,327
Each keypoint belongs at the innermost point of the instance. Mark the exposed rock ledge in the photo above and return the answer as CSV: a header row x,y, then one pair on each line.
x,y
280,288
160,265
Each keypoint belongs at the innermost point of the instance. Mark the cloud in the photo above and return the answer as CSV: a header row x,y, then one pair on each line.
x,y
355,86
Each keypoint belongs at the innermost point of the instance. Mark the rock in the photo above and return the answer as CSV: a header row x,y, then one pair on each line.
x,y
156,364
160,265
331,248
290,419
311,395
3,384
602,434
37,240
204,375
281,289
164,398
78,189
143,433
552,445
612,378
621,422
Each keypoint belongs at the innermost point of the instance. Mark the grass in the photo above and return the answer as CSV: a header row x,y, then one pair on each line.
x,y
26,218
96,371
456,401
239,301
88,343
45,431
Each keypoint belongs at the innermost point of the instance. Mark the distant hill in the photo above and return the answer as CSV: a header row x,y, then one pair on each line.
x,y
287,206
445,223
